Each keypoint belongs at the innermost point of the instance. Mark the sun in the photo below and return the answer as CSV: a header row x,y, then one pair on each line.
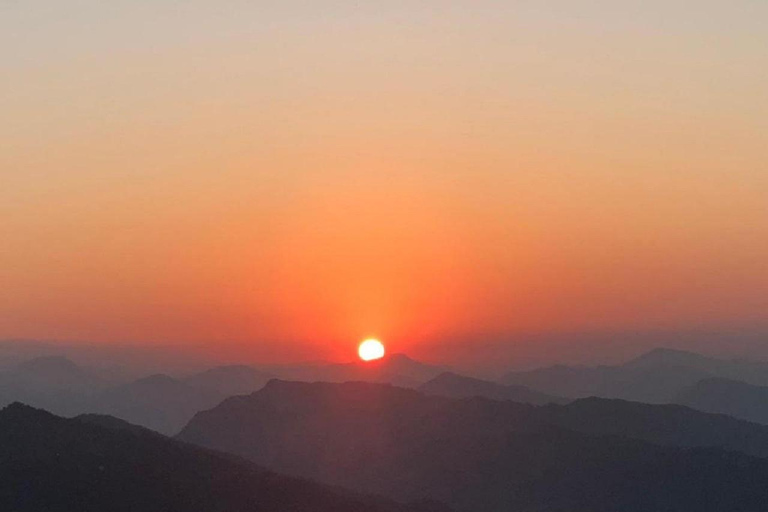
x,y
370,350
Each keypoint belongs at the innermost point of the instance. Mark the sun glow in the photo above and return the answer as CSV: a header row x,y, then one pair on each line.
x,y
370,350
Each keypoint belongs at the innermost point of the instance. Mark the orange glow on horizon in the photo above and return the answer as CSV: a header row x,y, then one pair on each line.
x,y
265,185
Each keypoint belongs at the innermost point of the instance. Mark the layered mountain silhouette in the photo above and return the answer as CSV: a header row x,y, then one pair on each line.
x,y
158,402
453,385
479,454
726,396
659,376
52,382
93,464
230,380
397,369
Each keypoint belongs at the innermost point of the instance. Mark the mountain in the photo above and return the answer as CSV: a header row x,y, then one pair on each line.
x,y
158,402
656,377
458,386
672,357
230,380
68,465
667,425
112,423
484,455
51,382
397,369
725,396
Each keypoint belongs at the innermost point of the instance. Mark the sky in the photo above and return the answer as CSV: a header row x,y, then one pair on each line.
x,y
282,179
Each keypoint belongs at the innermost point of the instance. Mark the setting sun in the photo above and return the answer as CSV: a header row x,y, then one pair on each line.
x,y
371,349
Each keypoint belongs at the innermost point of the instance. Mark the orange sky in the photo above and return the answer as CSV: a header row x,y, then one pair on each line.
x,y
282,175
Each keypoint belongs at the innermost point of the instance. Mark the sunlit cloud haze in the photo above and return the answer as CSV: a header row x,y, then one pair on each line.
x,y
283,175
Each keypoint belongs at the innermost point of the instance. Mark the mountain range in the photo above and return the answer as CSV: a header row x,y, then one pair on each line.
x,y
478,454
725,396
397,369
453,385
158,402
659,376
95,463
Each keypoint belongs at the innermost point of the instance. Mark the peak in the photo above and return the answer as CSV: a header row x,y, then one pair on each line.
x,y
19,411
18,407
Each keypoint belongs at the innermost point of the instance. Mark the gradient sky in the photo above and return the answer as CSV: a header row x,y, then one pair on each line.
x,y
292,174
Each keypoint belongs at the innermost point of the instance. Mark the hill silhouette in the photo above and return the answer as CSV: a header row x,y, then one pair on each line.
x,y
730,397
479,454
658,376
230,380
158,402
453,385
397,369
77,465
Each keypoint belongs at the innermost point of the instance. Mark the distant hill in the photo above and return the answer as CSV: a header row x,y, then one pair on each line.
x,y
485,455
658,376
158,402
725,396
230,380
458,386
397,369
68,465
51,382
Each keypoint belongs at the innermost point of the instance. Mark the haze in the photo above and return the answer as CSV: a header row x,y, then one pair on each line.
x,y
285,179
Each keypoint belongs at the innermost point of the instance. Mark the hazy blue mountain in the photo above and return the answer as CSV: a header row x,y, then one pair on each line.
x,y
731,397
51,382
48,463
158,402
656,377
230,380
458,386
485,455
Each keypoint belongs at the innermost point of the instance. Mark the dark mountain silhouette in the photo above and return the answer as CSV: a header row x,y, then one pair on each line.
x,y
458,386
158,402
484,455
656,377
725,396
397,369
112,423
230,380
72,465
